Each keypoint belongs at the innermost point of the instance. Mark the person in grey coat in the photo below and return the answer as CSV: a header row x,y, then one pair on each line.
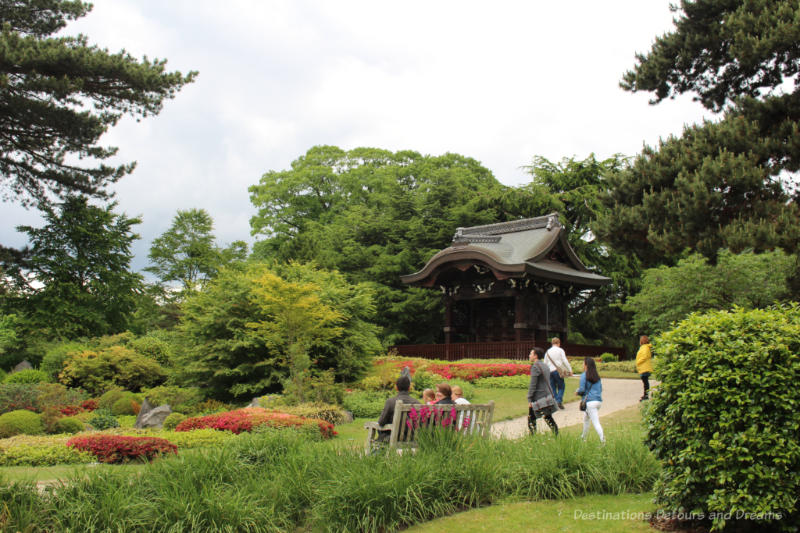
x,y
541,402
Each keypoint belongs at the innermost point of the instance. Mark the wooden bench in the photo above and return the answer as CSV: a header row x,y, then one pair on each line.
x,y
479,417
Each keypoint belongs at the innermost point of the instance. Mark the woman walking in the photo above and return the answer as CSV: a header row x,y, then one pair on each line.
x,y
591,388
644,365
541,403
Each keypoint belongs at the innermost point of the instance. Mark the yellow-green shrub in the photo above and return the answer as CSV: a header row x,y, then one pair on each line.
x,y
330,413
68,424
198,438
43,455
172,420
20,422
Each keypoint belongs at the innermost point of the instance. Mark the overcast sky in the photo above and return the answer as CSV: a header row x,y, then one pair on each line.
x,y
500,82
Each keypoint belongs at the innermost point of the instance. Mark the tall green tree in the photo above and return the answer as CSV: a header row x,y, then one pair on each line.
x,y
59,95
374,215
78,274
574,188
747,280
724,183
251,327
186,252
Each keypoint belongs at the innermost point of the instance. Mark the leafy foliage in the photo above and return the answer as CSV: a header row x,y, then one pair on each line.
x,y
172,420
29,375
20,422
235,327
116,366
68,424
723,421
252,417
365,404
9,339
80,262
40,451
122,449
186,252
60,95
748,280
721,184
180,399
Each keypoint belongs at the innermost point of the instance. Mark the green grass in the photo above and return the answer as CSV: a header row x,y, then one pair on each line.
x,y
54,473
551,516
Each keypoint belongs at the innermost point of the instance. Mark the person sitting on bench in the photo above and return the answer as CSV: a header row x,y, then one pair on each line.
x,y
403,383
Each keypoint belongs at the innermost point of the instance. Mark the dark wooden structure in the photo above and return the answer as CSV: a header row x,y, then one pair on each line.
x,y
498,350
507,283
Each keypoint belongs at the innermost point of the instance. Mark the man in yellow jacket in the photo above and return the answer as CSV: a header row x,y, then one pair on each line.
x,y
644,365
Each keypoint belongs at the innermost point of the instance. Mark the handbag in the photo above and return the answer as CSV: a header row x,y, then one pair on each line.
x,y
582,406
562,372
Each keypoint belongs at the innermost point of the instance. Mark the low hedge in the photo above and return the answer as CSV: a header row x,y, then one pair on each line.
x,y
172,420
122,449
365,404
20,422
505,382
27,376
329,413
246,419
43,454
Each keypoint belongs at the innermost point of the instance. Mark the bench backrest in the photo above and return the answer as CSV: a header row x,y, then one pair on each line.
x,y
470,419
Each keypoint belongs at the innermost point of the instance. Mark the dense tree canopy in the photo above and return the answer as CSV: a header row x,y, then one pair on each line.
x,y
78,281
375,215
722,184
186,252
239,340
747,280
59,95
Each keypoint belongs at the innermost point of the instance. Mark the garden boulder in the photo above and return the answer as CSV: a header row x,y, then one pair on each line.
x,y
151,417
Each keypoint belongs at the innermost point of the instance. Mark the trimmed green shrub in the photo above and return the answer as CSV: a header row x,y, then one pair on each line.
x,y
115,366
172,420
198,438
68,424
103,419
28,376
21,422
128,404
504,382
181,399
152,347
423,380
365,404
109,398
724,420
43,455
608,358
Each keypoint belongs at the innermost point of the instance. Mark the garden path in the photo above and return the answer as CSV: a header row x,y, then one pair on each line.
x,y
617,394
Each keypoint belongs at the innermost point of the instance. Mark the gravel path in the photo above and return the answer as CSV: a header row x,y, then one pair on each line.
x,y
617,394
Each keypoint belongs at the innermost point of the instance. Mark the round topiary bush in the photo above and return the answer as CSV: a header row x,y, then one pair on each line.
x,y
30,375
68,424
723,422
608,358
20,422
128,404
172,420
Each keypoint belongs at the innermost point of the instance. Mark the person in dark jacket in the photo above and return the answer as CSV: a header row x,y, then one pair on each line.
x,y
444,394
403,383
541,402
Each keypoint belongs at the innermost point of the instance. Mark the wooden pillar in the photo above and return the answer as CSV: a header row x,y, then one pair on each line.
x,y
448,325
520,315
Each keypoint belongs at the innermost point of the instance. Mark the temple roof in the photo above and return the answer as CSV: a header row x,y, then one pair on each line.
x,y
536,247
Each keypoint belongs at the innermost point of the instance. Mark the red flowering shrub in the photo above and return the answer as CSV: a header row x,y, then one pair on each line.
x,y
90,404
70,410
120,449
473,371
250,417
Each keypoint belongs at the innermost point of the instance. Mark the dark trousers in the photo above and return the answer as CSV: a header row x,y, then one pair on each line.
x,y
558,386
547,418
646,382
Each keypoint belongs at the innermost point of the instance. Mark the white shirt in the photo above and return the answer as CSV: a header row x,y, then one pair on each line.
x,y
556,356
461,401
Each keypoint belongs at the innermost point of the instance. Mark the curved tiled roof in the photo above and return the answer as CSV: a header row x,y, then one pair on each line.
x,y
513,249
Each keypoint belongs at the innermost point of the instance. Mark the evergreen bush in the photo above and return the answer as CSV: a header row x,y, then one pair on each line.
x,y
608,358
181,399
103,419
172,420
724,420
128,404
68,424
20,422
28,376
364,404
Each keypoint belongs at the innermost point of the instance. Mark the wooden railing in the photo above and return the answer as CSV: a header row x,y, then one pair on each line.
x,y
496,350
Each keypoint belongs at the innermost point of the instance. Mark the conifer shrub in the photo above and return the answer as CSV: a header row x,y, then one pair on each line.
x,y
724,420
20,422
27,376
68,424
172,420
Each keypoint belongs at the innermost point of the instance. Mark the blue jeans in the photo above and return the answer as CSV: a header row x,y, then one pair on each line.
x,y
558,386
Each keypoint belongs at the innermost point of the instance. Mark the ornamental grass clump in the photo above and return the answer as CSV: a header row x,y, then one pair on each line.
x,y
724,420
121,449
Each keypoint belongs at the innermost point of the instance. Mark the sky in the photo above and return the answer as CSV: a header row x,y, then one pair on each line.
x,y
500,82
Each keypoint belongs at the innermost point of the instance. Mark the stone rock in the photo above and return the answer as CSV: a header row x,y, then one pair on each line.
x,y
348,417
254,403
24,365
151,417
